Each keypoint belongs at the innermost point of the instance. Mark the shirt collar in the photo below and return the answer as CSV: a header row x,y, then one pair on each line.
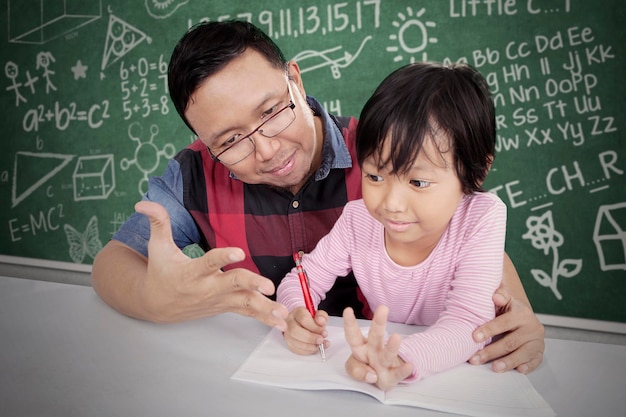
x,y
335,154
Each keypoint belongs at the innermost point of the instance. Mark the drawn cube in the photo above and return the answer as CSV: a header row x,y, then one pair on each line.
x,y
94,177
38,21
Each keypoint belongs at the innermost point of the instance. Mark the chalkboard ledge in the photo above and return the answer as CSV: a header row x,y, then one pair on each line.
x,y
557,327
585,324
44,270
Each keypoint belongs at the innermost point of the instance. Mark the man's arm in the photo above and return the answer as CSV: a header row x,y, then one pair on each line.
x,y
519,334
168,286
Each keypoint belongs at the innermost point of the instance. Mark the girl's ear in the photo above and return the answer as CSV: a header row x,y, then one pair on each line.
x,y
490,159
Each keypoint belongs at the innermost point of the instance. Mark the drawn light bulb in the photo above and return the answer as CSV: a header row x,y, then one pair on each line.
x,y
412,36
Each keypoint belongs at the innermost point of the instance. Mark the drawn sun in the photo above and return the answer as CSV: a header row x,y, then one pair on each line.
x,y
412,37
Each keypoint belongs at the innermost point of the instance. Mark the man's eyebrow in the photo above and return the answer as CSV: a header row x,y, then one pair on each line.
x,y
268,97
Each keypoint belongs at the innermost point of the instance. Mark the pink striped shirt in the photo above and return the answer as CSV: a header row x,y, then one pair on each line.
x,y
450,291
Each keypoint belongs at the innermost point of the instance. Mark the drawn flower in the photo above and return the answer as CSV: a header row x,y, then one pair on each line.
x,y
542,234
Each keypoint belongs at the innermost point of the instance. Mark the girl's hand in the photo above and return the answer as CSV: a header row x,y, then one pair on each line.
x,y
373,360
304,334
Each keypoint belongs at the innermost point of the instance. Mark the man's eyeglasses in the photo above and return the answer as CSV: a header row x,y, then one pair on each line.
x,y
244,146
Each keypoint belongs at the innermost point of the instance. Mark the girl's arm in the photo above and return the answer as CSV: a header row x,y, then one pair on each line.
x,y
477,274
522,343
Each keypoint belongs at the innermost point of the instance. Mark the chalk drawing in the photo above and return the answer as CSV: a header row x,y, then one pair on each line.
x,y
121,38
35,160
609,236
412,36
160,9
545,237
343,61
81,244
39,25
147,155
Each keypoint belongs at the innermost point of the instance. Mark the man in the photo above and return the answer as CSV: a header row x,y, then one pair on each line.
x,y
268,176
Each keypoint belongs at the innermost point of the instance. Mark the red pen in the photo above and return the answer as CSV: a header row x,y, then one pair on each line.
x,y
308,301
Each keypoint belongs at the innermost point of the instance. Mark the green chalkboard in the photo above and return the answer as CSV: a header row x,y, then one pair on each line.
x,y
87,119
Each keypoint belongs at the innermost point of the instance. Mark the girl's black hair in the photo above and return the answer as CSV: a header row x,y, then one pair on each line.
x,y
420,99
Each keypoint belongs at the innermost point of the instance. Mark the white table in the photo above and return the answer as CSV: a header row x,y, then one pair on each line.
x,y
64,353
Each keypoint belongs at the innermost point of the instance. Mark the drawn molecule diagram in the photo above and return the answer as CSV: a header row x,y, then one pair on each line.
x,y
147,155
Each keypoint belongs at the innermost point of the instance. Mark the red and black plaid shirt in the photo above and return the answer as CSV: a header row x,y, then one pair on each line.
x,y
268,223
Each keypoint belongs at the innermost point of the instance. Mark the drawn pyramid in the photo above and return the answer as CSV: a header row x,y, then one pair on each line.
x,y
121,38
31,170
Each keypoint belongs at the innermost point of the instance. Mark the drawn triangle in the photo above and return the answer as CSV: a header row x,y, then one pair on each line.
x,y
611,221
121,38
49,163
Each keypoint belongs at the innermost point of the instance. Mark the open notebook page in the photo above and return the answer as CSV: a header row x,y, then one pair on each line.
x,y
465,389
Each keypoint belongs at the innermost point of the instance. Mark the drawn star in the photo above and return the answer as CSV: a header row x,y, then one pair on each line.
x,y
79,70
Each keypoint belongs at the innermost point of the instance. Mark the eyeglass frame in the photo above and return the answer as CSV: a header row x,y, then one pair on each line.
x,y
290,105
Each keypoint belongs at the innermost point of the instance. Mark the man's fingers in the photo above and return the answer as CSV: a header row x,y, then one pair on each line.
x,y
499,325
502,300
199,287
532,364
510,352
218,258
525,359
256,305
160,227
521,344
495,350
234,279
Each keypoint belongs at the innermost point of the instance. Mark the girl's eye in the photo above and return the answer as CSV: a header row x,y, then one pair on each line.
x,y
374,177
420,183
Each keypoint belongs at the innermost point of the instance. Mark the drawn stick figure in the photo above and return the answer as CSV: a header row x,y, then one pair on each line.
x,y
43,61
11,71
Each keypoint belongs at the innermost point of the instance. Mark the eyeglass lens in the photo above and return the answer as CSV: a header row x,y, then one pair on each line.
x,y
280,121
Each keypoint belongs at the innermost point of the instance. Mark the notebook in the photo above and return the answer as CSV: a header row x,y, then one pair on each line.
x,y
466,389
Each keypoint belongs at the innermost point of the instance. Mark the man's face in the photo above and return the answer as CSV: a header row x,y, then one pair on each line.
x,y
236,100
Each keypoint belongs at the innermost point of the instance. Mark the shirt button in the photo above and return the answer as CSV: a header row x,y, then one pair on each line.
x,y
295,204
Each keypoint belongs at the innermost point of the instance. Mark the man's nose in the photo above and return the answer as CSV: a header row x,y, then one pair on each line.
x,y
265,147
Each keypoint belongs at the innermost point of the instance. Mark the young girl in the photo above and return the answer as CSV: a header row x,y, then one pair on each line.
x,y
426,243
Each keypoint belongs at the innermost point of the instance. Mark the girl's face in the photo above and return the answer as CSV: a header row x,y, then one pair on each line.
x,y
415,208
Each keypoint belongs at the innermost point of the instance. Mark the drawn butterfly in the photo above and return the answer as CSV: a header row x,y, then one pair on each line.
x,y
82,244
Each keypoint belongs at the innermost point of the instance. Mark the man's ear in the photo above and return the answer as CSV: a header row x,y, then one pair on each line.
x,y
294,74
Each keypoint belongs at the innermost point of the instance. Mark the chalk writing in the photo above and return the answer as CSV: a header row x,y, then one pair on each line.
x,y
87,117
